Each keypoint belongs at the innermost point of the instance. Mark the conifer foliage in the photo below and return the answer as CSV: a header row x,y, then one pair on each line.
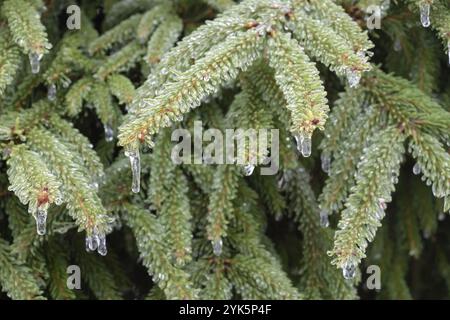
x,y
87,117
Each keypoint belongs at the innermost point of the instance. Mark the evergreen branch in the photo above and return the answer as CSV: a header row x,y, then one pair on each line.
x,y
80,144
336,17
149,233
57,261
319,280
327,45
433,161
121,87
96,275
220,5
120,34
220,208
255,278
365,206
163,39
122,60
32,181
219,66
26,28
300,82
343,168
84,205
9,61
16,279
76,94
150,21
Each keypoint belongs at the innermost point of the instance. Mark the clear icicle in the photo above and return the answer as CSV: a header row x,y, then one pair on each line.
x,y
303,144
306,146
349,270
324,222
135,162
41,220
109,133
326,162
353,78
248,169
101,249
51,93
425,14
217,246
35,62
416,169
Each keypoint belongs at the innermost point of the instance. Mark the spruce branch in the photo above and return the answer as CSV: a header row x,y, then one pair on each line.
x,y
83,205
33,182
26,28
149,233
364,208
16,279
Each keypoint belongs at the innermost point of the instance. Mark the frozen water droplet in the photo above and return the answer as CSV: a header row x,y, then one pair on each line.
x,y
88,241
303,144
248,170
349,270
35,62
93,185
425,14
101,249
41,220
353,78
306,146
164,71
397,45
135,162
51,92
59,200
324,222
326,162
217,246
416,169
109,133
441,216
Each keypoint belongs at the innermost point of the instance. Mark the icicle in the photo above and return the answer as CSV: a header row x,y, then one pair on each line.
x,y
416,169
109,133
353,78
349,270
397,45
217,246
135,162
425,14
51,93
326,162
41,220
34,62
324,222
101,248
303,144
248,169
